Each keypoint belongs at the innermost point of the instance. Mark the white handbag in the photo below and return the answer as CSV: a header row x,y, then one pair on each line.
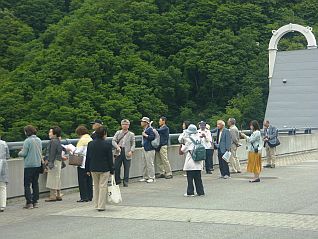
x,y
113,194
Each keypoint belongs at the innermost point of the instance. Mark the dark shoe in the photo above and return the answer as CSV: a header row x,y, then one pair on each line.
x,y
51,200
209,172
161,176
238,172
200,195
82,201
268,166
118,183
255,180
169,177
125,184
101,210
59,199
273,166
28,206
212,169
35,205
2,209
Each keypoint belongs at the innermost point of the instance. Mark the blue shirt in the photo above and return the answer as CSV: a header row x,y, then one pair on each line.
x,y
164,135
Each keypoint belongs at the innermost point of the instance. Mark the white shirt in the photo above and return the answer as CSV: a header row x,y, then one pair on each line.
x,y
206,141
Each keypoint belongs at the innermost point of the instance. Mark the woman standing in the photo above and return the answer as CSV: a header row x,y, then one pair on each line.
x,y
4,156
99,164
32,154
254,147
85,181
54,162
191,167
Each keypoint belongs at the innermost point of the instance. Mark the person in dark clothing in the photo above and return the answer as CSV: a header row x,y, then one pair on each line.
x,y
99,164
95,125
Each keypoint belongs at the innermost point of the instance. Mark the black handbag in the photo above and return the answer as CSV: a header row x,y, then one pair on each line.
x,y
274,145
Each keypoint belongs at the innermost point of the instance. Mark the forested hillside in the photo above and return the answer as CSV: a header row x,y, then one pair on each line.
x,y
68,62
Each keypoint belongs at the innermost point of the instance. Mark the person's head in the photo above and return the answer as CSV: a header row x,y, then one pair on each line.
x,y
55,131
220,124
192,129
81,130
185,124
202,125
162,121
254,125
144,122
96,124
125,123
266,123
101,132
30,130
231,121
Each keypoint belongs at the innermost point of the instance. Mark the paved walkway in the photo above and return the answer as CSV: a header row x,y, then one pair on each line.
x,y
283,205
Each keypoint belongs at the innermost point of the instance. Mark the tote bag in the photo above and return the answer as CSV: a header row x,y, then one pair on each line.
x,y
114,195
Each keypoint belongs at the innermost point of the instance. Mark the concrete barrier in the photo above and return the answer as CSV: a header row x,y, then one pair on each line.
x,y
289,145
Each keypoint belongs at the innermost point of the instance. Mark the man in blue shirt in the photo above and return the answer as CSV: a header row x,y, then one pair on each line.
x,y
162,151
148,152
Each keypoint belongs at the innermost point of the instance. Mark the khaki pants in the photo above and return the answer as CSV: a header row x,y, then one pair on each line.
x,y
270,155
163,162
3,195
100,180
149,167
235,163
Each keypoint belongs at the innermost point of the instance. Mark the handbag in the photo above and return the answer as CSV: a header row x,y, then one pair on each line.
x,y
113,194
274,145
255,149
75,159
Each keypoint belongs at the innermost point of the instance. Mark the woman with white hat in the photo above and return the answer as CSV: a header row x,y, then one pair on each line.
x,y
191,167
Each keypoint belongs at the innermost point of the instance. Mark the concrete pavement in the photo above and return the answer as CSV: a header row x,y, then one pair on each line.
x,y
283,205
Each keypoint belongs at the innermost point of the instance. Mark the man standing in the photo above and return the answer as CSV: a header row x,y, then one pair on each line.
x,y
162,151
223,144
124,143
95,125
235,138
148,152
270,143
206,138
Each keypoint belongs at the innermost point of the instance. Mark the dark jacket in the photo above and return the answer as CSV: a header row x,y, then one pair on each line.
x,y
146,142
99,157
54,152
225,142
164,135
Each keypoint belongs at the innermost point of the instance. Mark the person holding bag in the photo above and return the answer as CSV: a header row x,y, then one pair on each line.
x,y
4,156
99,164
32,154
254,147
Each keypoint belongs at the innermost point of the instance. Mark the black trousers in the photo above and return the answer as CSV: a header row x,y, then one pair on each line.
x,y
195,175
31,178
119,161
85,184
208,160
224,166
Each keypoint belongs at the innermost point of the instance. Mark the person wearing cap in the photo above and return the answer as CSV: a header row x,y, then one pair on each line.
x,y
206,138
191,167
235,143
95,125
124,143
162,151
148,152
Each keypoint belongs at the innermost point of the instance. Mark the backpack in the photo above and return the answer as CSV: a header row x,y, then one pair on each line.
x,y
156,142
199,152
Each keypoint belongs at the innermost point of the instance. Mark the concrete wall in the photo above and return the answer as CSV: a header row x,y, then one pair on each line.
x,y
289,144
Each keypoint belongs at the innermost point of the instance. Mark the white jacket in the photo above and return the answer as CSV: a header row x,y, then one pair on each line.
x,y
187,147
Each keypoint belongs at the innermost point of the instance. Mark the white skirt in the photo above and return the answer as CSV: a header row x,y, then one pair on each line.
x,y
54,176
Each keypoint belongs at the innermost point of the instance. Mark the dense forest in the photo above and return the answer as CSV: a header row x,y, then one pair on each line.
x,y
67,62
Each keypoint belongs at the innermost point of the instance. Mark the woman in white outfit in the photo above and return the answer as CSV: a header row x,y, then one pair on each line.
x,y
191,167
4,155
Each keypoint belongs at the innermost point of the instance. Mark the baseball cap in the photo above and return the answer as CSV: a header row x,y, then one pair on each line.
x,y
97,121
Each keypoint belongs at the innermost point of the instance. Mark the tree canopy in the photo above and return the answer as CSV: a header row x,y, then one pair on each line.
x,y
68,62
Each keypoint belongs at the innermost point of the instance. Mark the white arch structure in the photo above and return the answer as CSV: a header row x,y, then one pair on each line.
x,y
278,34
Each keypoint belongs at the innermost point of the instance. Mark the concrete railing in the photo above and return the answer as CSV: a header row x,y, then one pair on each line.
x,y
289,145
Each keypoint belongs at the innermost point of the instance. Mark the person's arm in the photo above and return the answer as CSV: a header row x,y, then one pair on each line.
x,y
254,137
110,160
25,150
228,141
234,137
273,133
88,158
133,142
52,153
7,151
214,130
114,141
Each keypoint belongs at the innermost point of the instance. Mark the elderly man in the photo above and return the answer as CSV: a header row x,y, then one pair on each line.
x,y
223,144
148,152
124,143
270,143
235,138
206,139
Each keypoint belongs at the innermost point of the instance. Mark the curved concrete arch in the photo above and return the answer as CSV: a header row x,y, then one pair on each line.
x,y
278,34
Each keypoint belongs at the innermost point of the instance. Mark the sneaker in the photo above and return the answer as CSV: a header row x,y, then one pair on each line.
x,y
268,166
169,177
161,176
226,177
28,206
2,209
150,180
186,195
143,180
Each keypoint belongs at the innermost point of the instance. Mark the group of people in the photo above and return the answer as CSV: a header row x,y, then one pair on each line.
x,y
102,158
